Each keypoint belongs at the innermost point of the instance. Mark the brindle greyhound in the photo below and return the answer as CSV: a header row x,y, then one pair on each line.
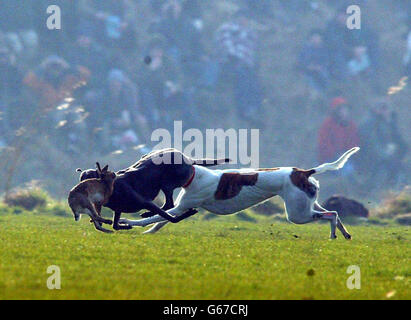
x,y
136,187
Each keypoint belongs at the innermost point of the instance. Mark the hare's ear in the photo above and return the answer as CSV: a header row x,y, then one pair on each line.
x,y
105,169
98,167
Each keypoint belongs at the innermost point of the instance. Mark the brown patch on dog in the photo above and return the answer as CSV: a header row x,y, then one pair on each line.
x,y
300,177
231,184
268,169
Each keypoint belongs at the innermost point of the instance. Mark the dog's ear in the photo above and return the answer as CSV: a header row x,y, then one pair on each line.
x,y
105,169
98,167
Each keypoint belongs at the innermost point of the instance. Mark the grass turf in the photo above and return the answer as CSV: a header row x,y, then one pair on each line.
x,y
196,259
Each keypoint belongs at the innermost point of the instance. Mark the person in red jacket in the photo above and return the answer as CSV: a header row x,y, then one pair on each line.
x,y
338,132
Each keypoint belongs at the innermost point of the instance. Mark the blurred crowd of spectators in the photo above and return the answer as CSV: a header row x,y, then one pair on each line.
x,y
98,83
340,54
337,54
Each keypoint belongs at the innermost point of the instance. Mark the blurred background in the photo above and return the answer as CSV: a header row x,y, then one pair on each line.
x,y
117,70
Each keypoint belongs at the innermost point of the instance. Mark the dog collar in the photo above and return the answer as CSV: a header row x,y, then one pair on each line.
x,y
191,179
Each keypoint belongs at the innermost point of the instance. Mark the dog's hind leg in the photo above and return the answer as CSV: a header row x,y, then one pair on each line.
x,y
156,211
168,193
340,226
168,204
183,210
142,222
330,216
156,227
159,225
179,215
149,205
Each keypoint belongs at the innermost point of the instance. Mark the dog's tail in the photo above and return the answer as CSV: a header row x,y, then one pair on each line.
x,y
336,165
78,170
210,162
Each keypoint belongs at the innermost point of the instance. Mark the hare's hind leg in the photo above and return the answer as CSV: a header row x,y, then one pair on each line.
x,y
90,210
98,226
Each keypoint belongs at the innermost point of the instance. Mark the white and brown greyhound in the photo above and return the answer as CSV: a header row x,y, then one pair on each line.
x,y
229,191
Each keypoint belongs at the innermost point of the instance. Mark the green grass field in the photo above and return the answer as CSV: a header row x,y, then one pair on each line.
x,y
197,259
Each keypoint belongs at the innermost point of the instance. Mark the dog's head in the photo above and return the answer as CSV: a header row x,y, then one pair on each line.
x,y
88,174
96,173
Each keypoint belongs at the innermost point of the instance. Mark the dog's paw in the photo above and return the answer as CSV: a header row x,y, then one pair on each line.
x,y
347,236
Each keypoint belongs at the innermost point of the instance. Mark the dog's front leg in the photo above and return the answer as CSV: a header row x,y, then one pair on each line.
x,y
181,211
116,225
149,205
180,215
177,214
142,222
175,211
156,227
